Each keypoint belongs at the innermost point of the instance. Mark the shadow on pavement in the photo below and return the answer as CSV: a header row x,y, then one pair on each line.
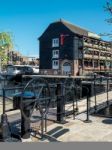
x,y
55,133
107,121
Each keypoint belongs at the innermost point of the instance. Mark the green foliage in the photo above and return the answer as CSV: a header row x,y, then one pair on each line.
x,y
5,40
6,45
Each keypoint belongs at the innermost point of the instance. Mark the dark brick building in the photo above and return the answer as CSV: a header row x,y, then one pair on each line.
x,y
65,48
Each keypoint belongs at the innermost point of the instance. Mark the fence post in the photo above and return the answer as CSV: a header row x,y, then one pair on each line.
x,y
107,91
95,91
88,107
60,103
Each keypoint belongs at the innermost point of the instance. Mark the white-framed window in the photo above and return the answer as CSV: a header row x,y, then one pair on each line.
x,y
55,42
55,64
55,54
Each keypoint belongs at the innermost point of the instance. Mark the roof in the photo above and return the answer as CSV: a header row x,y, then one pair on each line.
x,y
74,28
77,29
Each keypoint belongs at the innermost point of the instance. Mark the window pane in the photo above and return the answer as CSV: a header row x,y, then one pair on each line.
x,y
55,42
55,54
55,64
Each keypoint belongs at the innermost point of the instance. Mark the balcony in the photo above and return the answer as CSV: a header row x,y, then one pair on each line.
x,y
104,47
109,58
97,69
87,44
89,68
95,46
102,58
102,68
96,57
108,48
88,56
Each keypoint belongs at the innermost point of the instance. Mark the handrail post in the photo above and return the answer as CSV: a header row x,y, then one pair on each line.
x,y
77,109
60,103
88,107
107,91
95,92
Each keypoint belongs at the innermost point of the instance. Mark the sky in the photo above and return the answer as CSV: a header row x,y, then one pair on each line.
x,y
26,20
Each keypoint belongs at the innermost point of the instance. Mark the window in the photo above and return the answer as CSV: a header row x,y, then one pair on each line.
x,y
55,64
66,68
55,42
55,54
95,64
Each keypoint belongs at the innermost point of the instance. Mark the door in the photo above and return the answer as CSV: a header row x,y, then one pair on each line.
x,y
67,68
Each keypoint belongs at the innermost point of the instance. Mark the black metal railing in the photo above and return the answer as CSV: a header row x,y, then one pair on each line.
x,y
52,101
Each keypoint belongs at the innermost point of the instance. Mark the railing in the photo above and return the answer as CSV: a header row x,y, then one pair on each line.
x,y
104,89
53,99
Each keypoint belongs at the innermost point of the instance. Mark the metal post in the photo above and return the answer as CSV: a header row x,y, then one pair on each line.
x,y
45,115
88,106
25,123
60,103
95,92
76,98
4,126
107,91
75,103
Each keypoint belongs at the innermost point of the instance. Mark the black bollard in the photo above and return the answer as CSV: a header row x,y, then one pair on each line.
x,y
25,125
4,126
25,122
60,103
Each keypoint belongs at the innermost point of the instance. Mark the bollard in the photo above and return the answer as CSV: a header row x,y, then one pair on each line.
x,y
60,103
4,126
25,125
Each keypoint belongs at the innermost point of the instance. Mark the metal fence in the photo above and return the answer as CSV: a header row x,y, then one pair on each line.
x,y
50,99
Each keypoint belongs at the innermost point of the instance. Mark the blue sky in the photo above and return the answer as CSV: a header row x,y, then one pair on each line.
x,y
27,19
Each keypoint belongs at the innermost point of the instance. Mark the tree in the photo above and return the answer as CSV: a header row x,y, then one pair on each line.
x,y
108,9
6,45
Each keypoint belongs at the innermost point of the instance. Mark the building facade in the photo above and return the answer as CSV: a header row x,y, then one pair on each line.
x,y
68,49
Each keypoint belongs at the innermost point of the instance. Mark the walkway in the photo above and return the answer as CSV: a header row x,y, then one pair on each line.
x,y
100,130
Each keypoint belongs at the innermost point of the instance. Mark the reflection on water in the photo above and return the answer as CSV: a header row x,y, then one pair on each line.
x,y
107,112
